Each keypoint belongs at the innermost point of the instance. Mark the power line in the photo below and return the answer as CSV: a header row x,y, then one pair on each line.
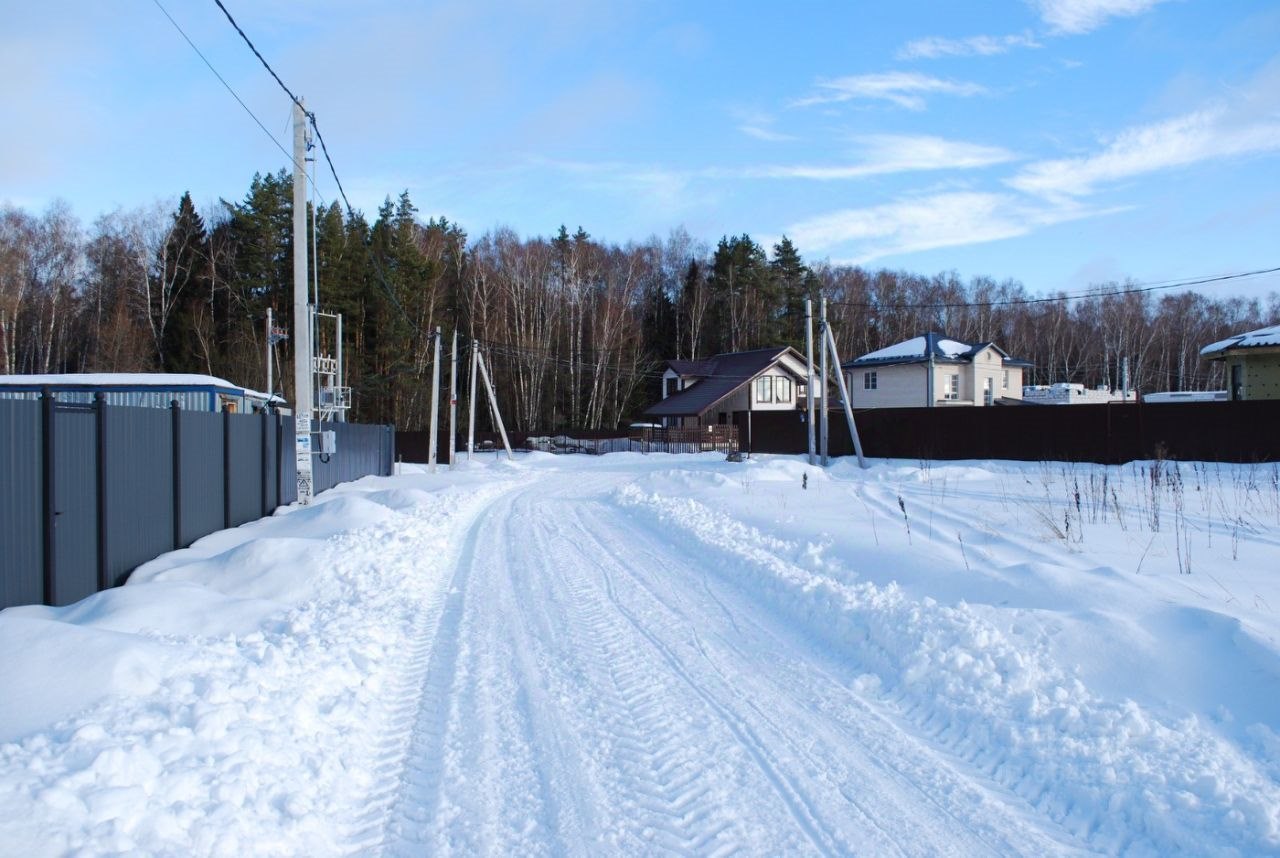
x,y
234,94
261,59
1132,289
309,114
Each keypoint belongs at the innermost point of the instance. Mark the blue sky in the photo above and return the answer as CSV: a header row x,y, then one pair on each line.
x,y
1058,142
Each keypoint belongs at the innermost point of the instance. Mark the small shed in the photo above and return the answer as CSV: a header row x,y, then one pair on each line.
x,y
1253,363
141,389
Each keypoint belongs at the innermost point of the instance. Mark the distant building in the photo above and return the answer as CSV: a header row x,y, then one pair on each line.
x,y
697,393
934,370
1063,393
1186,396
1253,363
143,389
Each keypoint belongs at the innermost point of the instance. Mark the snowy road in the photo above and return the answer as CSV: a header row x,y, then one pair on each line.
x,y
635,655
591,687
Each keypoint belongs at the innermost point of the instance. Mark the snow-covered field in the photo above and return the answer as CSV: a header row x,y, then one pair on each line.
x,y
648,654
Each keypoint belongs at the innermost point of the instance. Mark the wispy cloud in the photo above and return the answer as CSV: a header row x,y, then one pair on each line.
x,y
905,89
932,47
1194,137
760,125
763,133
927,223
892,153
1074,17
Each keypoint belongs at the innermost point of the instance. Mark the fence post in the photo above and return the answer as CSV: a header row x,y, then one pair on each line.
x,y
226,468
47,418
279,458
100,454
265,460
175,413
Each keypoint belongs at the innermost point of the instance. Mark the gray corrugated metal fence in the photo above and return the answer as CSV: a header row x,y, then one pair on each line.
x,y
90,492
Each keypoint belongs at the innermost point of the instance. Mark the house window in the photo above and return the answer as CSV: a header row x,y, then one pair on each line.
x,y
670,384
1005,382
952,388
781,389
868,381
764,389
988,394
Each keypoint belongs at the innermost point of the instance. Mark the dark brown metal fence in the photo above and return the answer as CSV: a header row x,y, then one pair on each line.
x,y
1108,434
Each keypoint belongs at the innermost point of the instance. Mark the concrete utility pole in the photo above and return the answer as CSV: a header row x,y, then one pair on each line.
x,y
822,335
808,340
471,400
302,400
844,396
453,402
493,402
435,406
270,331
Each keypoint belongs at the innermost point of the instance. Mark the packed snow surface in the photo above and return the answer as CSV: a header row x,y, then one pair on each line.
x,y
629,654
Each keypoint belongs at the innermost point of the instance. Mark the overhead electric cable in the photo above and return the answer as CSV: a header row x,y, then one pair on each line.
x,y
1135,288
310,115
228,87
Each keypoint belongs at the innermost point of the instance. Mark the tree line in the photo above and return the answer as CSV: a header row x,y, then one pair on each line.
x,y
576,329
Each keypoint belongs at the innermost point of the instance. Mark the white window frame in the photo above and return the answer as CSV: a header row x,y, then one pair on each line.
x,y
1005,385
951,389
764,389
781,388
869,380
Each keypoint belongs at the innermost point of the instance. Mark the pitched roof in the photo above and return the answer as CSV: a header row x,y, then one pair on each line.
x,y
691,367
939,347
1253,339
722,376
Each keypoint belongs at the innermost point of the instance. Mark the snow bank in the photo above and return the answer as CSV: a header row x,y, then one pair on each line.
x,y
229,699
1116,775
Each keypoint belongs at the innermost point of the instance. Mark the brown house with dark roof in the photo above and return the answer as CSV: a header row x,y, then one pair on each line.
x,y
714,391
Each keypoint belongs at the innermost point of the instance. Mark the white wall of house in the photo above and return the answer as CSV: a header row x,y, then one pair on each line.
x,y
906,385
901,386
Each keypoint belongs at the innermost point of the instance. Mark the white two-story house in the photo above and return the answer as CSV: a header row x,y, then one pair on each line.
x,y
933,370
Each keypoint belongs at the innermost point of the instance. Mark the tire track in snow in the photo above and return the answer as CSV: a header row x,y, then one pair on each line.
x,y
419,782
649,764
854,741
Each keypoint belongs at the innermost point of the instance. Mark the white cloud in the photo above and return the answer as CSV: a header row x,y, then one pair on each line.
x,y
926,223
763,133
1083,16
932,47
1199,136
904,89
892,153
760,125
